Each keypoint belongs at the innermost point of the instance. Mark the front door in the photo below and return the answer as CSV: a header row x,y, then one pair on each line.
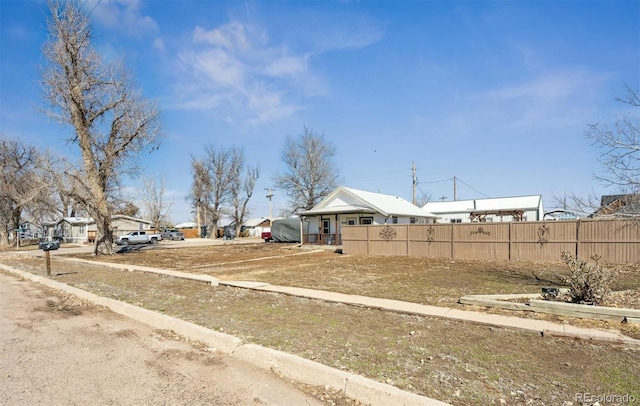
x,y
326,226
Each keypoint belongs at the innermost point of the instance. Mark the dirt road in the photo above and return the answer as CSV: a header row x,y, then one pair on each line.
x,y
56,350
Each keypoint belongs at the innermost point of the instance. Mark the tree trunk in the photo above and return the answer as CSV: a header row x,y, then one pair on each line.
x,y
104,237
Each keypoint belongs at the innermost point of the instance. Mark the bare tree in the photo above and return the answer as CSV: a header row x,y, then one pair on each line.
x,y
112,123
310,171
26,185
153,199
620,159
200,191
127,209
621,147
212,183
241,189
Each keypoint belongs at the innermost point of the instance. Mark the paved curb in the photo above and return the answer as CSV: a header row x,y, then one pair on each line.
x,y
290,366
354,386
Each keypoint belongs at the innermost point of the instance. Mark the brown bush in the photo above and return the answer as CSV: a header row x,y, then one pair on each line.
x,y
589,282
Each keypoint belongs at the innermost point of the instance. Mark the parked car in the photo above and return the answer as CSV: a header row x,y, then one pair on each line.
x,y
172,234
266,236
138,237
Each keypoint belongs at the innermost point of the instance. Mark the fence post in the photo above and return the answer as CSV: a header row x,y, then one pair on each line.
x,y
578,238
510,240
407,239
368,241
453,242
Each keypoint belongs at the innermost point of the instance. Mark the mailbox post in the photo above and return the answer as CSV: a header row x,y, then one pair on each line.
x,y
47,246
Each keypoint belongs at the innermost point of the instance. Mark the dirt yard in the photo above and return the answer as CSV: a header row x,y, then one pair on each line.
x,y
59,350
460,363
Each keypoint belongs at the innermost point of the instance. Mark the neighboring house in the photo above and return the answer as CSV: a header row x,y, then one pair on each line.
x,y
29,230
345,206
256,226
618,207
560,215
521,208
67,229
81,230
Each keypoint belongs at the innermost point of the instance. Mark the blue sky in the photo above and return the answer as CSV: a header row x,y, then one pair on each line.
x,y
496,93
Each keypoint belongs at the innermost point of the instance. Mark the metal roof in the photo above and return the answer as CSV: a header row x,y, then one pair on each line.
x,y
344,200
532,202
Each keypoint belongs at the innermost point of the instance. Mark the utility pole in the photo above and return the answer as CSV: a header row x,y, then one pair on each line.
x,y
415,181
455,195
269,196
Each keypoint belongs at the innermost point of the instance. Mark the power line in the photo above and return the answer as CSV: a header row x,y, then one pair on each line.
x,y
472,188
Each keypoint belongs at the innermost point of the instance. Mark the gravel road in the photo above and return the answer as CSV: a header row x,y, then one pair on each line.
x,y
57,350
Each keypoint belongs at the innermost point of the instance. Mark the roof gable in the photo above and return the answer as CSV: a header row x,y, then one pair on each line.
x,y
345,200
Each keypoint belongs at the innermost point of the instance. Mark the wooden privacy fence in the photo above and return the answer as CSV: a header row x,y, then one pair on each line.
x,y
616,242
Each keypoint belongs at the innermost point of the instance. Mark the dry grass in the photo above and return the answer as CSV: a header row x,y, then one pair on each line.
x,y
460,363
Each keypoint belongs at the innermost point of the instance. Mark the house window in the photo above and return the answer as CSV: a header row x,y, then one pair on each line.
x,y
366,220
81,229
456,221
326,226
412,220
394,220
351,222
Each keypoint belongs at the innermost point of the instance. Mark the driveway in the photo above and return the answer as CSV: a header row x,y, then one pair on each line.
x,y
58,350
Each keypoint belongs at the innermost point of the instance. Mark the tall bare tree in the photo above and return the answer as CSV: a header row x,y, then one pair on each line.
x,y
156,206
200,191
212,182
621,146
310,170
241,188
128,209
620,159
26,185
111,122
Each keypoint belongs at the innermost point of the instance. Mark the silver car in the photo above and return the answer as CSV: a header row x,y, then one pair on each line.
x,y
172,234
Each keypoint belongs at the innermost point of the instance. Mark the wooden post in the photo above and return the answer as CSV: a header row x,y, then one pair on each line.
x,y
47,254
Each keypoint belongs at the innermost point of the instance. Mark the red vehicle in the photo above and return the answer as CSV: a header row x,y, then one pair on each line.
x,y
266,236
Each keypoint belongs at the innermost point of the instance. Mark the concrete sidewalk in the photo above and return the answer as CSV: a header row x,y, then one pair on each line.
x,y
545,328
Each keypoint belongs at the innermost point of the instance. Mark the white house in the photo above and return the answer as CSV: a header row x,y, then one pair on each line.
x,y
83,229
256,226
345,206
520,208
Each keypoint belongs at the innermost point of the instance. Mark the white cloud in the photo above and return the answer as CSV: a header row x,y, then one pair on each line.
x,y
550,101
215,67
125,15
233,69
158,43
232,36
286,66
236,69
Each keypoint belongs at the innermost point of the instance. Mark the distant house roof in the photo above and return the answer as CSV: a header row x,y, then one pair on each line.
x,y
122,216
188,224
257,222
533,202
89,220
344,200
619,206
